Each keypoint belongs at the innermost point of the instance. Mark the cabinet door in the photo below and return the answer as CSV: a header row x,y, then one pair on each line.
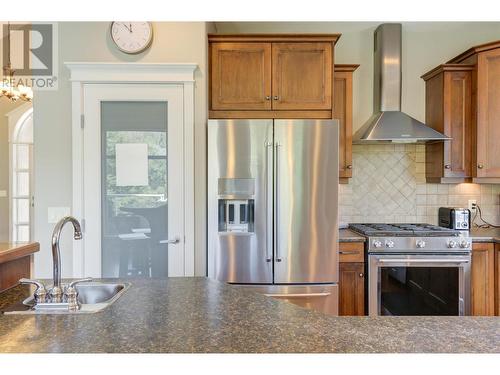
x,y
497,279
302,76
241,76
488,114
342,111
482,279
352,289
457,124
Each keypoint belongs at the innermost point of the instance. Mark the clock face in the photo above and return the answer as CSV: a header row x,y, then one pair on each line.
x,y
132,37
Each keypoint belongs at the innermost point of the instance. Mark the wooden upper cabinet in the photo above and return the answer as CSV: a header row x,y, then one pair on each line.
x,y
488,114
271,75
448,109
302,76
241,76
485,95
342,111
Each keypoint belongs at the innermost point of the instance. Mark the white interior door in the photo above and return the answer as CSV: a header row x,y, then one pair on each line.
x,y
133,182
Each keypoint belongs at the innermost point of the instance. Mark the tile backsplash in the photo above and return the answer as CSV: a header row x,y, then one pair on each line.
x,y
388,185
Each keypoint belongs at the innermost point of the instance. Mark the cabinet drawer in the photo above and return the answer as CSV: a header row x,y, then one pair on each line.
x,y
351,252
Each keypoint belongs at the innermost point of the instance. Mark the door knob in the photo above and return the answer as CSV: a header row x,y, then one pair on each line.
x,y
172,241
447,166
480,166
276,97
268,97
349,166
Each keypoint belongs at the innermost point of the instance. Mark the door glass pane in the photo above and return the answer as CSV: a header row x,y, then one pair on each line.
x,y
22,156
134,189
23,233
419,291
23,184
22,210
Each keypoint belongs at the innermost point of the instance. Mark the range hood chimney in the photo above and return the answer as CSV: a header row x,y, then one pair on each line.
x,y
388,124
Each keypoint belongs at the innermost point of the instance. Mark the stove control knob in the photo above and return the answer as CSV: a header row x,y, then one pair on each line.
x,y
377,244
464,244
452,244
420,244
389,244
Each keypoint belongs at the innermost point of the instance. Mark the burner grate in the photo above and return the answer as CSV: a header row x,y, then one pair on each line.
x,y
381,229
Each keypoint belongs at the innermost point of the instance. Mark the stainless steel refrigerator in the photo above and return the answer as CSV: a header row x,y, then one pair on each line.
x,y
273,208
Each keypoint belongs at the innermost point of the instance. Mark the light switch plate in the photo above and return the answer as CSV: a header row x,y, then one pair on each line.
x,y
57,213
3,193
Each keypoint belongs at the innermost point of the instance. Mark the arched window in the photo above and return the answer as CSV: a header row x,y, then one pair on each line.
x,y
22,177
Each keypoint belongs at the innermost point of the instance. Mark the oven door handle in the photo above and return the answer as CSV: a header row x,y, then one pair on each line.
x,y
428,260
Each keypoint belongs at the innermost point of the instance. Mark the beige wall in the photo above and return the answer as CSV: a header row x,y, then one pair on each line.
x,y
90,41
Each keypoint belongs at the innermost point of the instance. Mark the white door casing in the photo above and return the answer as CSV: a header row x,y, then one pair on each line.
x,y
95,82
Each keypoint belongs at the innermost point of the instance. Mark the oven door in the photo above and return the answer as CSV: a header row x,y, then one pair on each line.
x,y
427,284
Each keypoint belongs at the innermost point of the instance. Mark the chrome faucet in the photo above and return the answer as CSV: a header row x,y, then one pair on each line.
x,y
57,292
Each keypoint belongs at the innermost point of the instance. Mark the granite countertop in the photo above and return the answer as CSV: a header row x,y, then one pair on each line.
x,y
200,315
13,250
485,235
347,235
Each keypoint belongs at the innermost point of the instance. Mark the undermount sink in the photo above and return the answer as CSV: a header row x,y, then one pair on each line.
x,y
99,293
93,297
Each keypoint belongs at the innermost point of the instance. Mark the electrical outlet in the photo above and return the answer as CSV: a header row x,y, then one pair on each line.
x,y
472,204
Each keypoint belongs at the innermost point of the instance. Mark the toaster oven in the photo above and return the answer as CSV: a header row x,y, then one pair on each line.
x,y
454,218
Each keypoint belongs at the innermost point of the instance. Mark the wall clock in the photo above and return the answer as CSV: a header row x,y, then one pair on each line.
x,y
132,37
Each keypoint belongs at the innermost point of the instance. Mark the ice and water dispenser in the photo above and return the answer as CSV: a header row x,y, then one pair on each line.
x,y
236,205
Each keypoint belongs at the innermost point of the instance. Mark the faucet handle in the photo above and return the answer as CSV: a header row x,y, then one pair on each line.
x,y
85,280
71,294
40,292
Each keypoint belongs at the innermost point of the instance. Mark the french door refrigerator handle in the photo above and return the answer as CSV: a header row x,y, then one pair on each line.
x,y
276,201
269,201
297,295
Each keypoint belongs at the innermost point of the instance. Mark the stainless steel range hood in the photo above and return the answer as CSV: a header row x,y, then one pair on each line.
x,y
388,124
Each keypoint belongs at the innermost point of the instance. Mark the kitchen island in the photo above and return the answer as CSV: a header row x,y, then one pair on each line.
x,y
15,261
199,315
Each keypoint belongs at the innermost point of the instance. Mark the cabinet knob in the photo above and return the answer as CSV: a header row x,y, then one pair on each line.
x,y
349,166
480,166
276,97
447,166
361,275
268,97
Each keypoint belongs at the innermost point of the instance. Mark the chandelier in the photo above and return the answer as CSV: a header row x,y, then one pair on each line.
x,y
8,88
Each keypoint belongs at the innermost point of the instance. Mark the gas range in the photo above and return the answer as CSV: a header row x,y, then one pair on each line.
x,y
413,238
416,269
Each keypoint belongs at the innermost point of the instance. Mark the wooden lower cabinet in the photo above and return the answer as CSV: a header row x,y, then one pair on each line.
x,y
483,279
11,272
497,279
351,279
